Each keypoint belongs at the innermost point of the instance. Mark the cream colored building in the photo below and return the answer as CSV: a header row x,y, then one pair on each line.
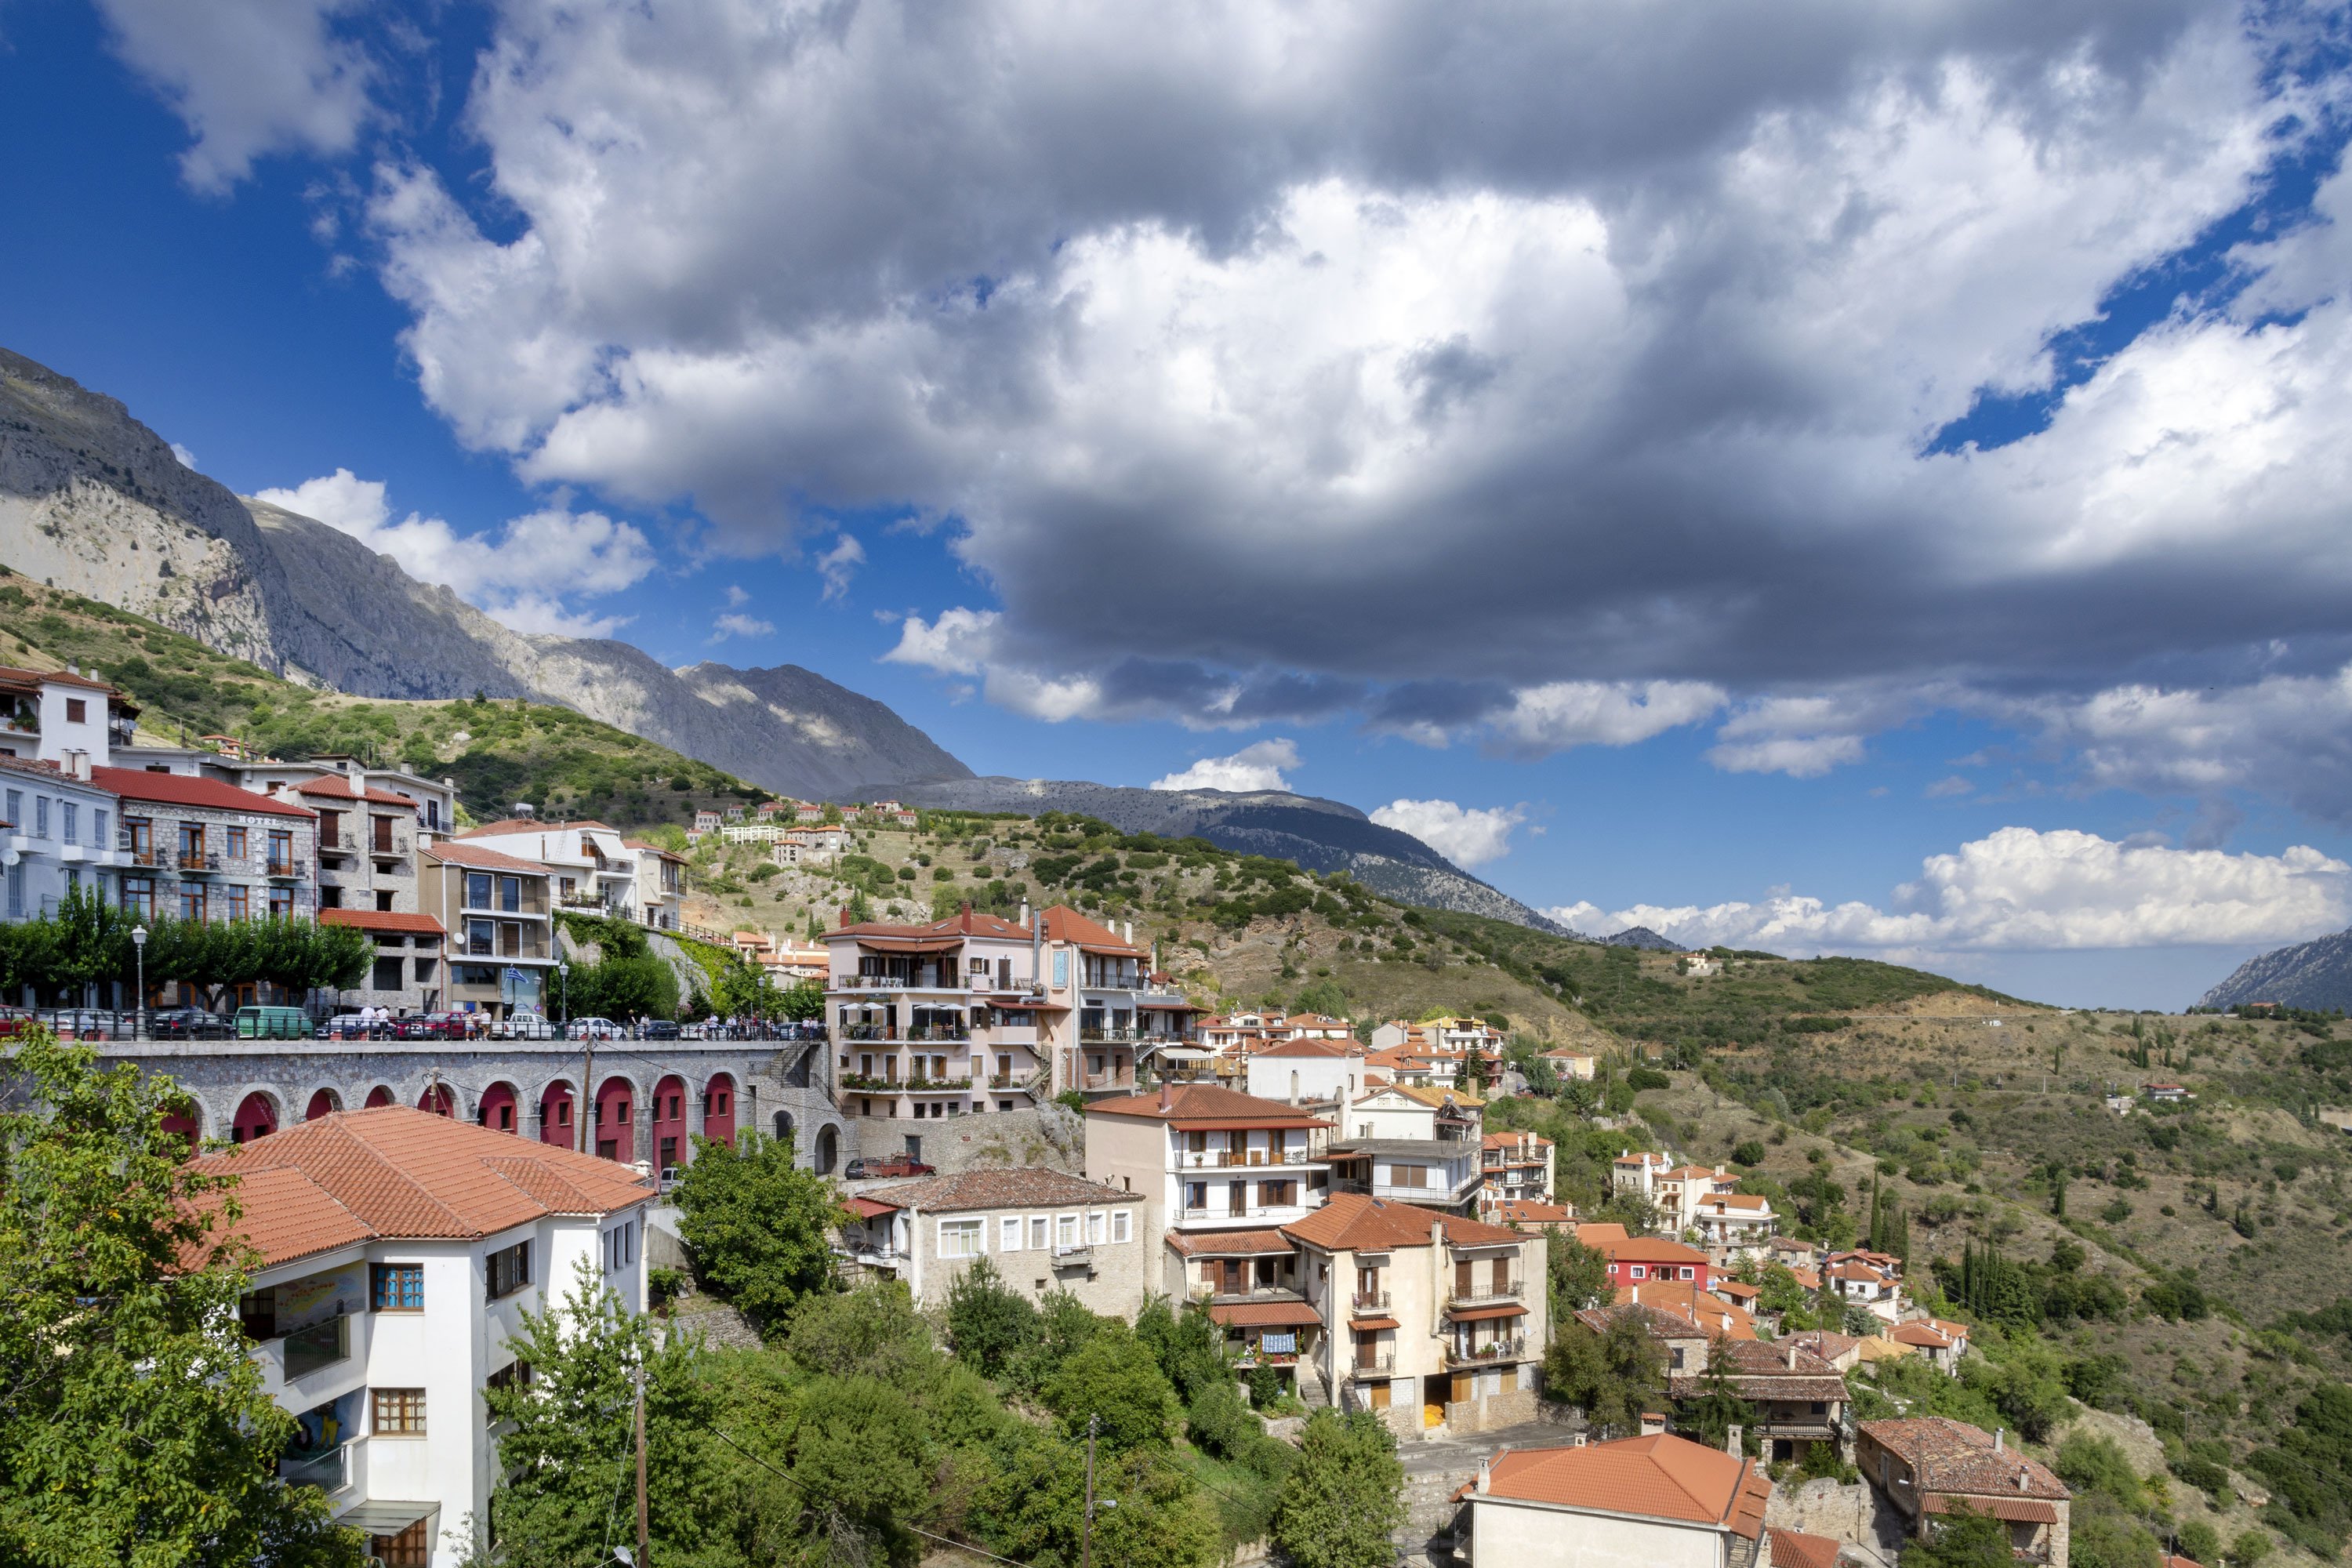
x,y
1042,1229
1205,1159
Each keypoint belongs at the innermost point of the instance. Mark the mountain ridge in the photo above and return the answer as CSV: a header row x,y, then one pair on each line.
x,y
2315,974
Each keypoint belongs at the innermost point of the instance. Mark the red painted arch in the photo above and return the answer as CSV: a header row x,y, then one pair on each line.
x,y
439,1099
257,1117
183,1122
555,1113
502,1109
615,1131
378,1097
718,1110
322,1103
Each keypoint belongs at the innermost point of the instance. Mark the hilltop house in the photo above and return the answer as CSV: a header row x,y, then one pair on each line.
x,y
1927,1466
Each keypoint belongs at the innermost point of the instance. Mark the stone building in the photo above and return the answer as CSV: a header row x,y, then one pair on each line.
x,y
1930,1466
1043,1229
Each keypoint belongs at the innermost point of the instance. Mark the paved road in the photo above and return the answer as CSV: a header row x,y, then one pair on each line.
x,y
1437,1454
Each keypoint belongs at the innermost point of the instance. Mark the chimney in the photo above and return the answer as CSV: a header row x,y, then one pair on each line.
x,y
1999,1435
845,918
1485,1477
1166,1095
1127,931
1025,911
1731,1439
72,668
1793,1356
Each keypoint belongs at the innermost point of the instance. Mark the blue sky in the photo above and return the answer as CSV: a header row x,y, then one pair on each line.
x,y
1752,493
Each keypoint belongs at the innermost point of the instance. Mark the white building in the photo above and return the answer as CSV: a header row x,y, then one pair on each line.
x,y
1303,1068
1411,1144
398,1250
56,833
1043,1229
595,869
1657,1499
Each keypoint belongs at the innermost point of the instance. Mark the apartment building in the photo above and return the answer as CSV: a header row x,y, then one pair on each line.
x,y
594,870
1042,1229
398,1250
1449,1037
1734,1227
499,910
1323,1072
197,848
1206,1158
1635,1258
1432,1319
1411,1144
56,715
976,1012
1570,1062
1513,1168
56,835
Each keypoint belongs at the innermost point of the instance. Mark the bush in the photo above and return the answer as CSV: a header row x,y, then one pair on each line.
x,y
1749,1153
1108,1379
1644,1077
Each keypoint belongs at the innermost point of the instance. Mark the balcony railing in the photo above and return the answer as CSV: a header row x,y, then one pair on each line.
x,y
320,1345
1370,1301
1486,1353
1487,1294
1112,1037
1073,1257
386,848
938,1031
329,1471
151,857
937,1085
1241,1159
1251,1211
285,870
1372,1365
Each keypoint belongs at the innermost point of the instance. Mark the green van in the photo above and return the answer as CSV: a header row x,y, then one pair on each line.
x,y
273,1024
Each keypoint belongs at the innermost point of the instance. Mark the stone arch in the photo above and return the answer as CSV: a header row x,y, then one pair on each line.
x,y
618,1098
257,1115
188,1122
558,1109
324,1100
381,1096
671,1146
439,1099
721,1108
827,1153
501,1109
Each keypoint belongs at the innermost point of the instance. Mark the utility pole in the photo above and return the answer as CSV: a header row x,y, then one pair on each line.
x,y
1087,1521
587,1093
643,1559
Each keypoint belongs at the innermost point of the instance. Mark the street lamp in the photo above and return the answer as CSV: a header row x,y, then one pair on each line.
x,y
139,952
563,981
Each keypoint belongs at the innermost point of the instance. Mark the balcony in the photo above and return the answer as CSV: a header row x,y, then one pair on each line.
x,y
283,870
1241,1159
1491,1354
148,857
938,1031
1486,1295
321,1345
939,1085
199,863
330,1472
385,848
1081,1256
1374,1366
870,983
1094,1032
1370,1301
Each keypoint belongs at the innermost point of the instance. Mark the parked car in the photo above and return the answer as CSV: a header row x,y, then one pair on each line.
x,y
12,1021
273,1024
523,1025
188,1024
889,1167
344,1027
593,1029
89,1024
659,1029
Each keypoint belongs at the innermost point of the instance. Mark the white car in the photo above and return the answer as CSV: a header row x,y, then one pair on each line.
x,y
593,1029
523,1025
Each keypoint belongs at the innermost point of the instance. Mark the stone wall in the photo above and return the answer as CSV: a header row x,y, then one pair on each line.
x,y
1042,1135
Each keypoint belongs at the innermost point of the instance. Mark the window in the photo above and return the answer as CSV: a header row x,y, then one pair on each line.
x,y
386,976
1066,1230
1120,1226
1096,1221
959,1239
396,1287
477,889
1009,1233
98,829
1037,1232
510,894
239,844
510,1270
40,816
1689,1274
238,903
513,1375
1639,1272
191,841
138,895
281,903
193,900
77,711
480,939
71,822
399,1413
281,854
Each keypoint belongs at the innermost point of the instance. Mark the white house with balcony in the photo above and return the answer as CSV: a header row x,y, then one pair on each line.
x,y
1411,1144
56,833
1203,1158
399,1249
595,870
1044,1230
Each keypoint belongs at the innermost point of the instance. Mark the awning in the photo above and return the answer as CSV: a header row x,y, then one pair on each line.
x,y
1183,1054
911,943
1265,1315
1480,1314
1369,1325
1173,1004
868,1209
376,1517
2018,1511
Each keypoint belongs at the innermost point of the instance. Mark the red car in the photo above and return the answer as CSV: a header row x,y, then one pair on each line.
x,y
893,1167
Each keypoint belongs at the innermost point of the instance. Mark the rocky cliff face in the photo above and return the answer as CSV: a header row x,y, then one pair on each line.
x,y
1321,835
2317,974
94,501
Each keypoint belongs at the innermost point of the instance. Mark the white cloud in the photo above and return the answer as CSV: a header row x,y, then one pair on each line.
x,y
836,564
738,596
735,625
1560,714
966,642
248,77
521,575
1469,837
1805,737
188,459
1950,788
2023,890
1254,767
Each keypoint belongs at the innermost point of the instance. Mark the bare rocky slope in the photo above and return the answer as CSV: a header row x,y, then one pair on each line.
x,y
1321,835
2317,974
93,502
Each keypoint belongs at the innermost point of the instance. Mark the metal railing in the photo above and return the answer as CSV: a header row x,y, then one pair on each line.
x,y
1510,1290
1241,1159
1372,1365
320,1345
329,1471
1487,1354
285,870
1368,1301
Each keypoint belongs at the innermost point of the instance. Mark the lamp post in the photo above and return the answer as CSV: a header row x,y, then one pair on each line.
x,y
139,1005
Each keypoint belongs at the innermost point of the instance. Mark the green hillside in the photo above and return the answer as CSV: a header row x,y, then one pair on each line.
x,y
499,752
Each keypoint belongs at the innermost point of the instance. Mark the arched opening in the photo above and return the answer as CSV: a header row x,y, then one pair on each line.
x,y
324,1102
616,1132
719,1111
184,1122
783,1126
669,1123
439,1099
257,1117
829,1149
378,1098
555,1115
501,1109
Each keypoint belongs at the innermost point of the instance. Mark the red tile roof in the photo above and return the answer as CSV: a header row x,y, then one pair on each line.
x,y
182,789
531,825
1963,1460
1227,1243
1307,1047
481,859
1637,1248
382,919
12,676
1265,1314
1795,1548
965,923
1661,1476
335,786
1207,1105
399,1173
1029,1186
1066,924
1535,1213
1351,1222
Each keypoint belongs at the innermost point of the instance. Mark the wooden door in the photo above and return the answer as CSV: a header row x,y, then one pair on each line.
x,y
1465,1383
1502,1275
1462,1282
1380,1395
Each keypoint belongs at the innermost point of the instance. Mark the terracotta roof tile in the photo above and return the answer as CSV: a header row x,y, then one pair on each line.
x,y
395,1172
1211,1105
1227,1243
481,859
1028,1187
1265,1314
1795,1548
179,789
1661,1476
1962,1459
1351,1222
382,919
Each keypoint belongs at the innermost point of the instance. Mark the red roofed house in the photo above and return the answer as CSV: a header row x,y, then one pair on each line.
x,y
1799,1397
1204,1158
397,1248
1043,1229
1306,1068
1663,1502
1942,1344
1514,1167
1931,1466
1430,1319
1634,1258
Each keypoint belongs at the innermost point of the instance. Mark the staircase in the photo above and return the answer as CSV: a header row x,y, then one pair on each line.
x,y
1312,1394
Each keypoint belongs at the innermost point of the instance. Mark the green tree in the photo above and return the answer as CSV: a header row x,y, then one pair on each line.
x,y
744,989
133,1427
1778,1291
1615,1376
1033,1509
1344,1496
1111,1378
2201,1543
1961,1538
989,1324
1578,1275
757,1226
1718,1407
801,1001
568,1454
